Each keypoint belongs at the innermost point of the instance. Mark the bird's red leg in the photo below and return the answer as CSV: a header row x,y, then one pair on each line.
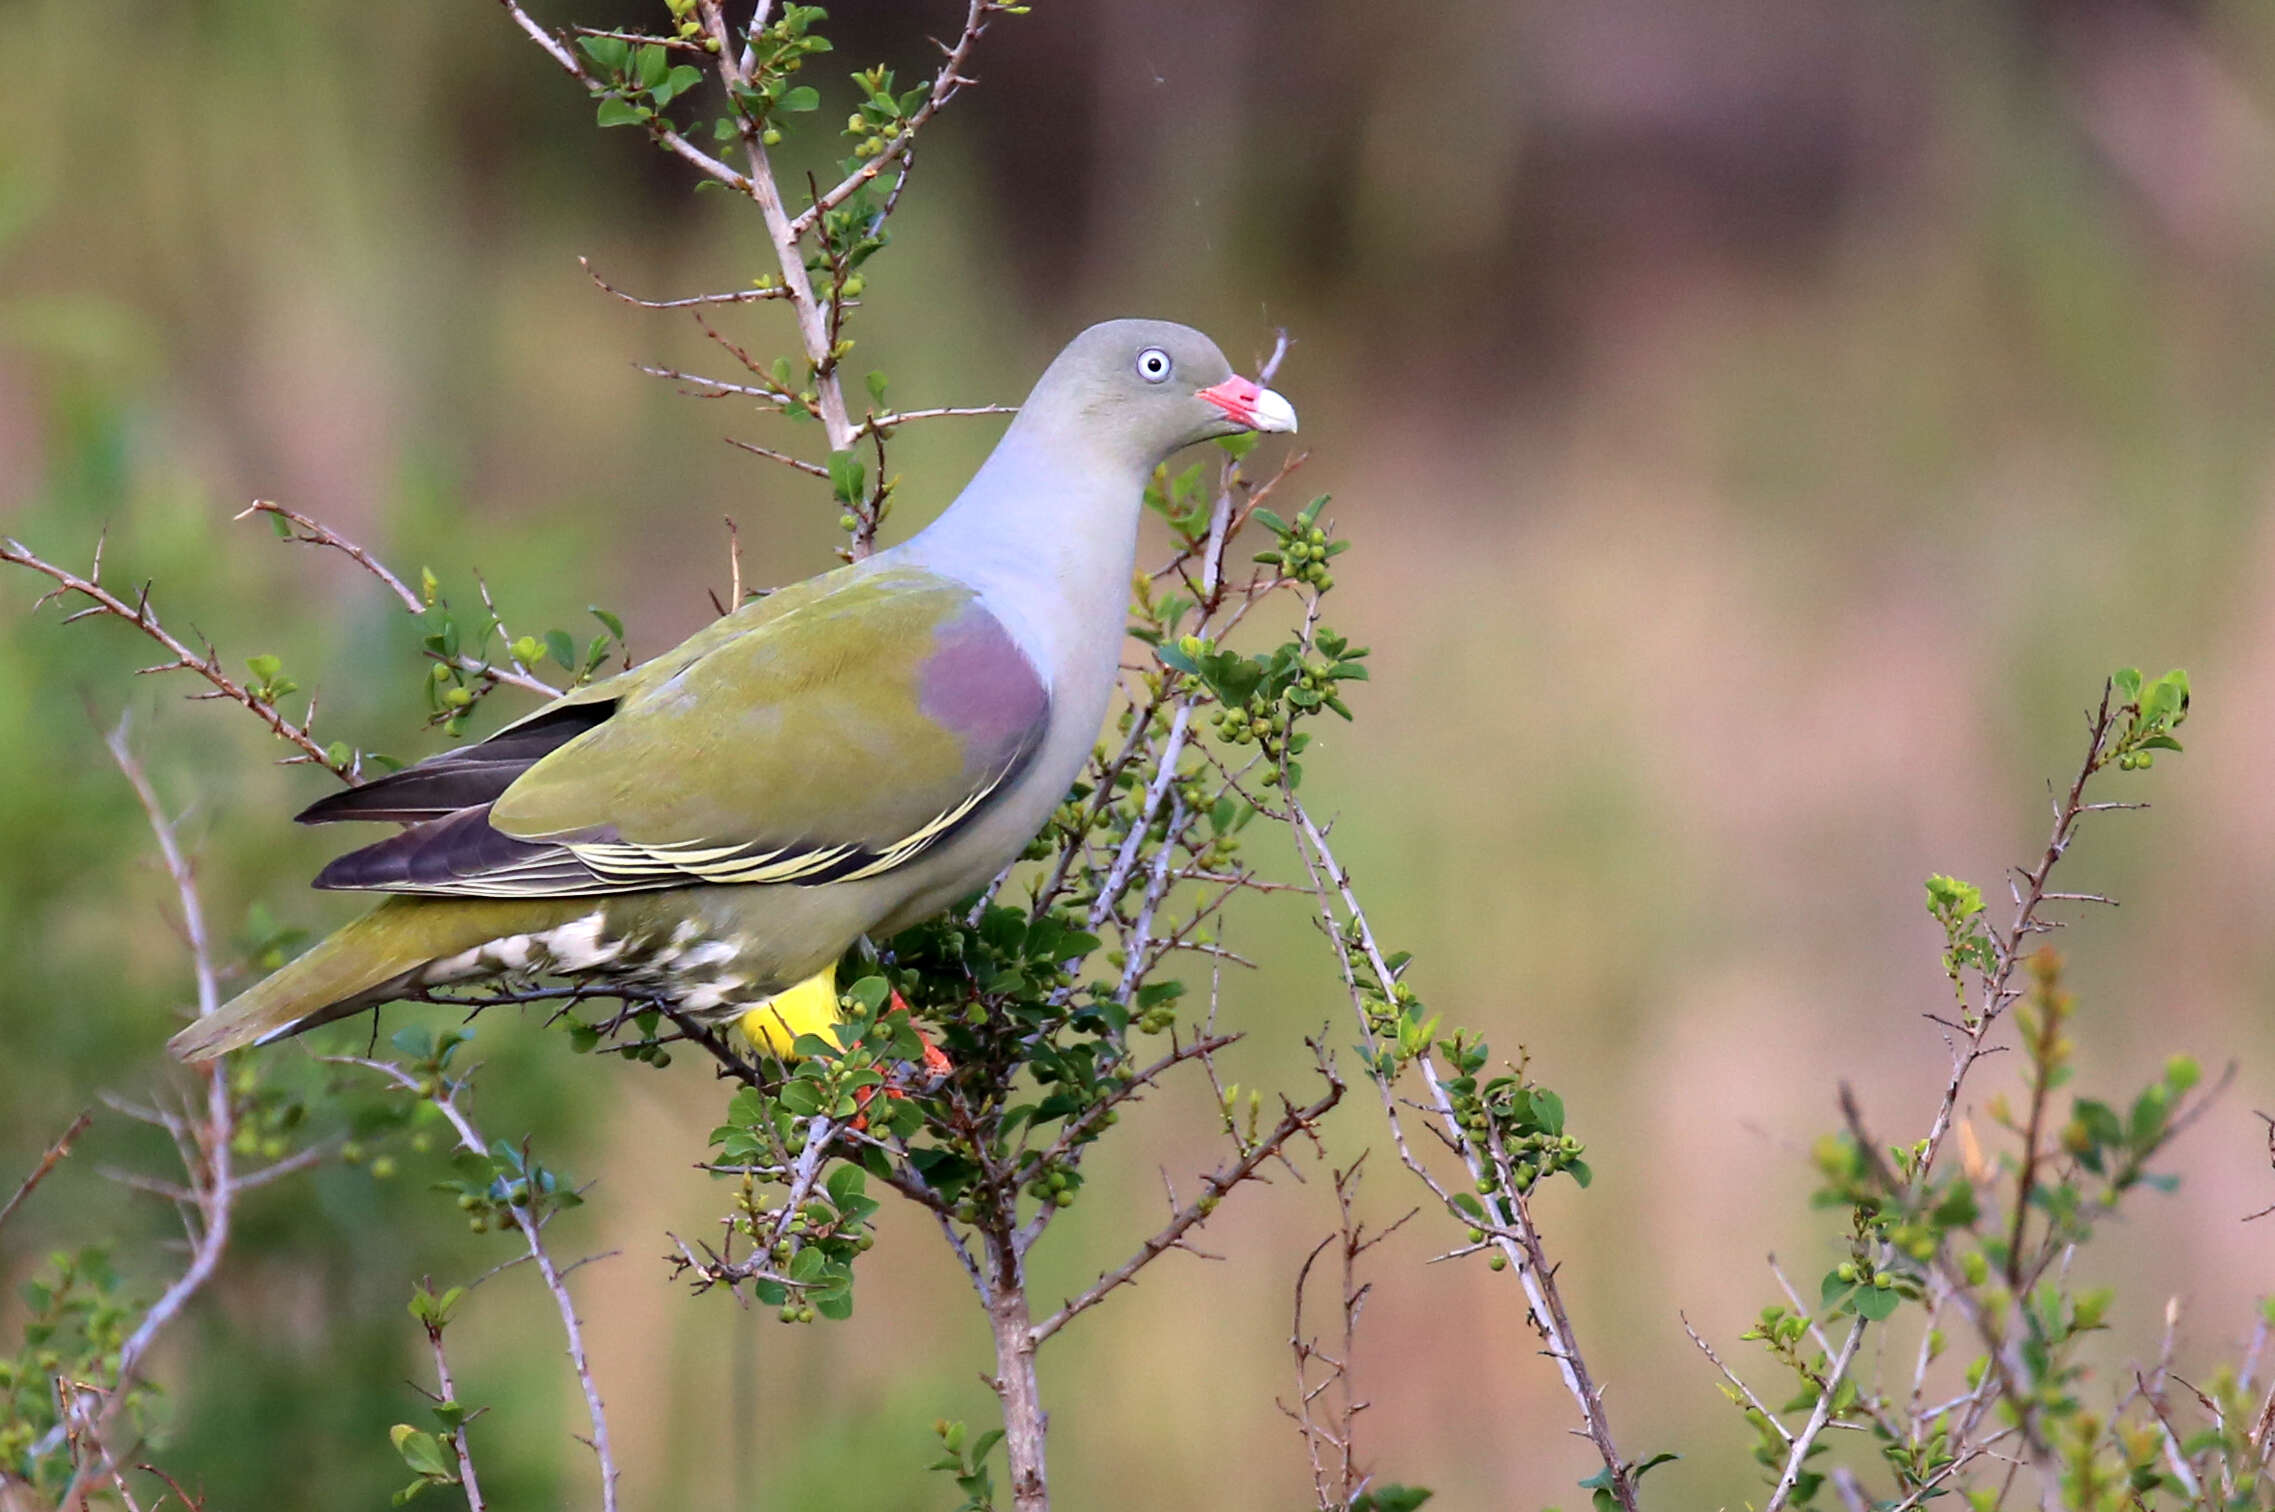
x,y
936,1062
936,1065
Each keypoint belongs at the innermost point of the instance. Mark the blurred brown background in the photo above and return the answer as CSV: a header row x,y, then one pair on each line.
x,y
1763,424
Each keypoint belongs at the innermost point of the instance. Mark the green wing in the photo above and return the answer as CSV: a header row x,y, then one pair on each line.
x,y
834,730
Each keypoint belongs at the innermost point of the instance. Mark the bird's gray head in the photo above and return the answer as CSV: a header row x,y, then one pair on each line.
x,y
1141,389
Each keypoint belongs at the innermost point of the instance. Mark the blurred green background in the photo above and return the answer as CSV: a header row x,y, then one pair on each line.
x,y
1763,425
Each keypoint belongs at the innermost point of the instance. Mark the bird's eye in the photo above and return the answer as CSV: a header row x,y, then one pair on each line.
x,y
1153,364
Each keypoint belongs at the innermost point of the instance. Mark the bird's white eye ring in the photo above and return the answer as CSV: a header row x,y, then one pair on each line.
x,y
1153,364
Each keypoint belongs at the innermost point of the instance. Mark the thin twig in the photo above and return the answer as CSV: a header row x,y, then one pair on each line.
x,y
945,84
1731,1376
140,615
207,1156
470,1138
1293,1122
54,1157
731,297
448,1389
1818,1417
306,531
1516,1237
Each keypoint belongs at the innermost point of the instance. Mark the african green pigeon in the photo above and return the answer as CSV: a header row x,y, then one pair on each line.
x,y
842,757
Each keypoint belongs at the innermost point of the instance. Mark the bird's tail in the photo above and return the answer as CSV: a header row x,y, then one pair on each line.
x,y
368,961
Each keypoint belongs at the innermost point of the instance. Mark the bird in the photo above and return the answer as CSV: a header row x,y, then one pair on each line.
x,y
838,759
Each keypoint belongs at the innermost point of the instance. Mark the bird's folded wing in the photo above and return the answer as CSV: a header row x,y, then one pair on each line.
x,y
838,733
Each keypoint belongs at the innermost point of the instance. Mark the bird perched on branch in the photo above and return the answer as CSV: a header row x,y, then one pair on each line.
x,y
842,757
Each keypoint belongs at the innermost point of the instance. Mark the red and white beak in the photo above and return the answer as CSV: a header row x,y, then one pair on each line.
x,y
1248,403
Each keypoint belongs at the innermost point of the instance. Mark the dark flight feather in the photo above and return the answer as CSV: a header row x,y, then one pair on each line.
x,y
472,777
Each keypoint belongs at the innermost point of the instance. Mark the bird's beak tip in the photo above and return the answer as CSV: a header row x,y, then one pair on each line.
x,y
1273,413
1251,406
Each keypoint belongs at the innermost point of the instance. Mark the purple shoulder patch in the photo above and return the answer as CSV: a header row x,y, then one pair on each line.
x,y
980,685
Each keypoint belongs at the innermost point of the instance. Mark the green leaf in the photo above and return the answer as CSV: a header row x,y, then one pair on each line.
x,y
650,64
621,113
846,476
1878,1303
421,1451
679,81
561,648
608,52
846,1185
801,98
1391,1497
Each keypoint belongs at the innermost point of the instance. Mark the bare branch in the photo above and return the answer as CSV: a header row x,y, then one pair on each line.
x,y
1293,1122
140,615
2030,895
731,297
1336,1480
1516,1237
1807,1437
879,424
664,134
525,1219
810,469
310,532
1738,1385
720,388
54,1157
206,1156
447,1390
945,84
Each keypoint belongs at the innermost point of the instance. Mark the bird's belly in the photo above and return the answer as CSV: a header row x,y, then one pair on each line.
x,y
711,952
